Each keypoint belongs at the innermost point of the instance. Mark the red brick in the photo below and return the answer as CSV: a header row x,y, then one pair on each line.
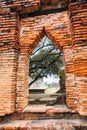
x,y
18,38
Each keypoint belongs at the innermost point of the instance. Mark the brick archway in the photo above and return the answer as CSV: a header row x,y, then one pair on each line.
x,y
18,37
58,30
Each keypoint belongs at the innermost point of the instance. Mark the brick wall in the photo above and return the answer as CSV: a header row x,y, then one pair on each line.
x,y
32,30
28,6
78,17
8,61
28,42
8,77
68,31
22,83
70,77
48,4
22,6
57,28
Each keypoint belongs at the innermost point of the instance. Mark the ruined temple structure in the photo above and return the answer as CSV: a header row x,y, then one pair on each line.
x,y
23,23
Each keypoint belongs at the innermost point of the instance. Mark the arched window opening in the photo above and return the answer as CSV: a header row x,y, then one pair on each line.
x,y
46,74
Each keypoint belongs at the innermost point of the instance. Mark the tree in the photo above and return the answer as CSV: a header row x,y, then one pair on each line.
x,y
45,60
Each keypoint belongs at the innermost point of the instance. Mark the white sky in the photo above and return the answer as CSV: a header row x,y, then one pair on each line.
x,y
51,79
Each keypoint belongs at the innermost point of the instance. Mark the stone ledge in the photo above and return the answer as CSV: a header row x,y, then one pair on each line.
x,y
47,109
65,124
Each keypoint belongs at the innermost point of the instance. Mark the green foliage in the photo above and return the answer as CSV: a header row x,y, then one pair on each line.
x,y
45,60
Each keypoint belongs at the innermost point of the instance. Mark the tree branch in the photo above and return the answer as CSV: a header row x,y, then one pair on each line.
x,y
36,78
44,58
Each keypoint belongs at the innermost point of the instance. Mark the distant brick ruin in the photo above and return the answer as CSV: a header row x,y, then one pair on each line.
x,y
22,28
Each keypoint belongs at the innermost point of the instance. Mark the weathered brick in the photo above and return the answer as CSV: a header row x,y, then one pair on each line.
x,y
78,14
18,38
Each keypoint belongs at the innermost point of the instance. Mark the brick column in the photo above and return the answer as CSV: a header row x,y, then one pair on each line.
x,y
22,82
8,62
61,36
78,16
28,41
70,77
8,73
23,74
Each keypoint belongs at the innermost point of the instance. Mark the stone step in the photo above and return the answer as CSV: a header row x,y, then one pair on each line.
x,y
42,112
45,95
38,98
47,109
42,99
60,124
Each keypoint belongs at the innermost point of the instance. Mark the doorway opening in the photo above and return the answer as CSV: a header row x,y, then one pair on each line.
x,y
46,74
